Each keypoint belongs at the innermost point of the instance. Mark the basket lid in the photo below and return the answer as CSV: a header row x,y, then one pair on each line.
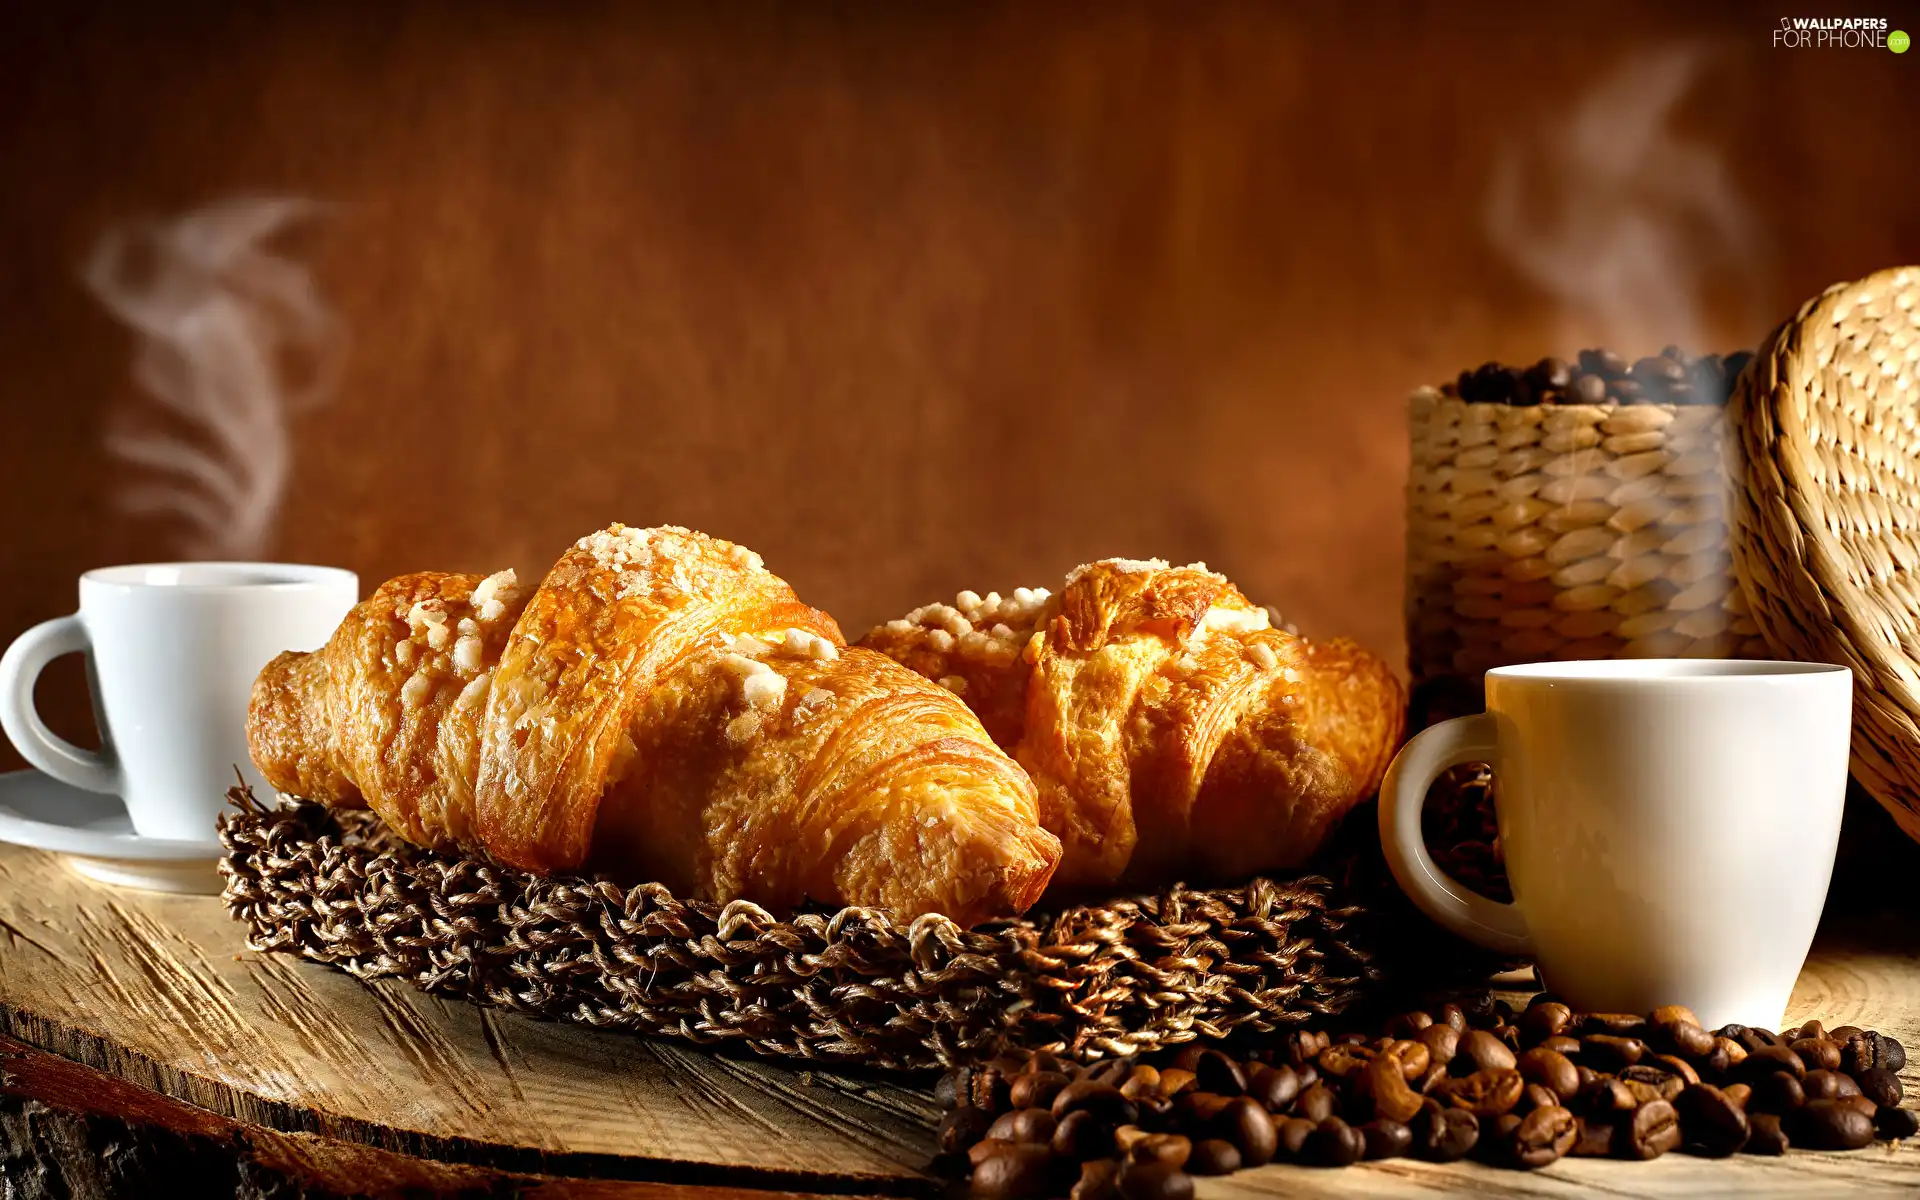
x,y
1826,508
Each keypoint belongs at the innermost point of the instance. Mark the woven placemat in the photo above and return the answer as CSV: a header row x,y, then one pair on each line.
x,y
1827,540
1125,977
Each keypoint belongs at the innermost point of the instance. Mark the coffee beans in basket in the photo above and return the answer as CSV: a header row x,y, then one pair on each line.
x,y
1518,1090
1603,377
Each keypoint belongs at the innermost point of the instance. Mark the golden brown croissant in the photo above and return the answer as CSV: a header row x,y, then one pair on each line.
x,y
1171,730
664,708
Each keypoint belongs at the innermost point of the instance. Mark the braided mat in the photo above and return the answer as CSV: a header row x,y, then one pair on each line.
x,y
1828,517
1121,978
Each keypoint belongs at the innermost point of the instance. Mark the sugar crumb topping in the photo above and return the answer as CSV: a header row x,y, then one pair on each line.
x,y
1261,655
492,595
1235,620
1126,566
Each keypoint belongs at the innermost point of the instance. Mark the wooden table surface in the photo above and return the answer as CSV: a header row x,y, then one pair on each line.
x,y
122,1005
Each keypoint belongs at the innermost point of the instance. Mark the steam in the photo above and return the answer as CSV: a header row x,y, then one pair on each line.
x,y
1619,216
234,340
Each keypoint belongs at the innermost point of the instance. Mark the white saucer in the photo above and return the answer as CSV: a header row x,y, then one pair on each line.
x,y
93,831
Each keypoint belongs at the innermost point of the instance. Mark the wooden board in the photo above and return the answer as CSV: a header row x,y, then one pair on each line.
x,y
159,992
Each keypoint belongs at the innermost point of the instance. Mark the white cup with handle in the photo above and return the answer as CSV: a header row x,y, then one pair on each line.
x,y
1668,827
173,649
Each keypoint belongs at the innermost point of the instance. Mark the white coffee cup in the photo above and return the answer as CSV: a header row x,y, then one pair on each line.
x,y
1668,827
173,650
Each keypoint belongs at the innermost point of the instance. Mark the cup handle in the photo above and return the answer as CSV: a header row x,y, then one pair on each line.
x,y
1490,923
20,666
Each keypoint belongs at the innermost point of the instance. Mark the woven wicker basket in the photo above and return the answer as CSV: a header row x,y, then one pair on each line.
x,y
1829,516
849,986
1566,531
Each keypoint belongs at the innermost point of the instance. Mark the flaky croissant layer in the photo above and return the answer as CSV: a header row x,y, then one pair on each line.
x,y
1172,731
662,707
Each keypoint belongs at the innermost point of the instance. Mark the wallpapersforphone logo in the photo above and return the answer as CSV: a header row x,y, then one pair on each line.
x,y
1839,33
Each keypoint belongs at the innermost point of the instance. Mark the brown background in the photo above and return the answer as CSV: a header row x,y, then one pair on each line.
x,y
908,297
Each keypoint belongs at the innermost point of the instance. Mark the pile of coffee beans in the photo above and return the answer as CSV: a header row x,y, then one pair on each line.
x,y
1475,1079
1603,377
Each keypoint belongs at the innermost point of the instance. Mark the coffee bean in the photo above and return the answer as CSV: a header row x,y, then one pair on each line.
x,y
1710,1124
1668,1015
1673,1064
1197,1108
1413,1056
1017,1171
1726,1055
1818,1054
1828,1085
1315,1104
1561,1044
1408,1024
1274,1087
1153,1181
1606,1097
1102,1099
1648,1084
1615,1025
1764,1135
1844,1034
962,1128
1550,1069
1308,1073
1441,1041
1169,1149
1755,1038
1738,1093
1215,1072
1112,1071
1768,1059
1334,1143
1607,1052
1544,1136
1443,1134
1174,1081
1542,1021
1293,1134
1099,1180
1382,1091
1832,1125
1343,1059
1037,1090
1302,1045
1453,1017
1143,1084
1386,1138
1589,389
985,1087
1587,1075
1481,1051
1081,1135
1896,1123
1777,1093
1496,1139
1652,1130
1249,1127
986,1148
1214,1156
1595,1140
1024,1125
1865,1051
1689,1039
1880,1086
1534,1096
1860,1104
1483,1093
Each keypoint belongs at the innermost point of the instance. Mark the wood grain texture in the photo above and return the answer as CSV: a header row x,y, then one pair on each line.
x,y
157,993
69,1132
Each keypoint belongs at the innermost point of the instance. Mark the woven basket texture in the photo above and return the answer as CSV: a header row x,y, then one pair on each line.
x,y
1567,532
1125,977
1829,515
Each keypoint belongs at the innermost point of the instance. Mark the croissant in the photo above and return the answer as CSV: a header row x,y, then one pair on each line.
x,y
662,707
1171,730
